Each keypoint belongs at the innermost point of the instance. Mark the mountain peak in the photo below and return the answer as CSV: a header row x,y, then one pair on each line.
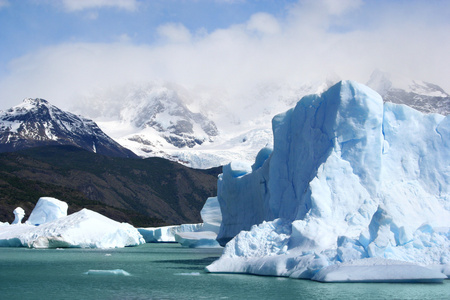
x,y
35,122
35,101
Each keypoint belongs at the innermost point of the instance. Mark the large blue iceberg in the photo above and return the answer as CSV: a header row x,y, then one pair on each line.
x,y
353,190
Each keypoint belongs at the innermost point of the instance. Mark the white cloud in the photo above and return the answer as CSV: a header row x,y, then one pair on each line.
x,y
290,50
263,23
78,5
175,33
4,3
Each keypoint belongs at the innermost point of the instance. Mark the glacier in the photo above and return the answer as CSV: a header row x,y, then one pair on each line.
x,y
349,179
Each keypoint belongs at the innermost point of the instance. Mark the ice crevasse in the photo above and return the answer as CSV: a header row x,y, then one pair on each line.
x,y
353,190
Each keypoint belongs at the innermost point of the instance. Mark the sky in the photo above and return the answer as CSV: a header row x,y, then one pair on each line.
x,y
63,50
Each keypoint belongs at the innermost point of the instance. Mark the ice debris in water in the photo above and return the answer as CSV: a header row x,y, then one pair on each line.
x,y
116,272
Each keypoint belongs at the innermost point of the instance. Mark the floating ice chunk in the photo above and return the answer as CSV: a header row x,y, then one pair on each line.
x,y
84,229
19,213
117,272
190,235
46,210
166,234
188,274
199,239
205,235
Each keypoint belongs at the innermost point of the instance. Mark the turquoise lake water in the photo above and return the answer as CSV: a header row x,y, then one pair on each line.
x,y
167,271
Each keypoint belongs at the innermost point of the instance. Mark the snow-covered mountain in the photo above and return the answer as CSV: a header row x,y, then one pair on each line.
x,y
36,122
200,129
422,96
151,120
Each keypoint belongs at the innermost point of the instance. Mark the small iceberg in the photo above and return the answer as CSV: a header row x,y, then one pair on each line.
x,y
116,272
188,274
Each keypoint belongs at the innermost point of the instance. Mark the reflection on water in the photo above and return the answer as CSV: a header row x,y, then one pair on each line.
x,y
167,271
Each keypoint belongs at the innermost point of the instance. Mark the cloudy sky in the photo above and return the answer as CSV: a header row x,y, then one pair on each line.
x,y
61,50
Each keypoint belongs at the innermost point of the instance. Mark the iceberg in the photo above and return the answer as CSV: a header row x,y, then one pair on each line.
x,y
197,239
166,234
202,235
348,180
206,235
46,210
83,229
19,213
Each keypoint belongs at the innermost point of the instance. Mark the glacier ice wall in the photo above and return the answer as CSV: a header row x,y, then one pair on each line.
x,y
352,177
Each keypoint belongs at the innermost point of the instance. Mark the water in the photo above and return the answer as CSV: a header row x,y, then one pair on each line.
x,y
167,271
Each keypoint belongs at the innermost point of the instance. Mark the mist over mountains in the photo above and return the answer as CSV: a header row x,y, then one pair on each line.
x,y
200,128
206,128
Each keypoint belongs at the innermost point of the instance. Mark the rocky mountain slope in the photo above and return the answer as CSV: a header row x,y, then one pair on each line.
x,y
144,192
36,122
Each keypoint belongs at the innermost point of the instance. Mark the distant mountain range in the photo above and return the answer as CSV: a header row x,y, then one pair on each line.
x,y
143,192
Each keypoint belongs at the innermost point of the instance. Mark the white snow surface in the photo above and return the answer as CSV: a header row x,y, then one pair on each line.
x,y
83,229
47,209
348,179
